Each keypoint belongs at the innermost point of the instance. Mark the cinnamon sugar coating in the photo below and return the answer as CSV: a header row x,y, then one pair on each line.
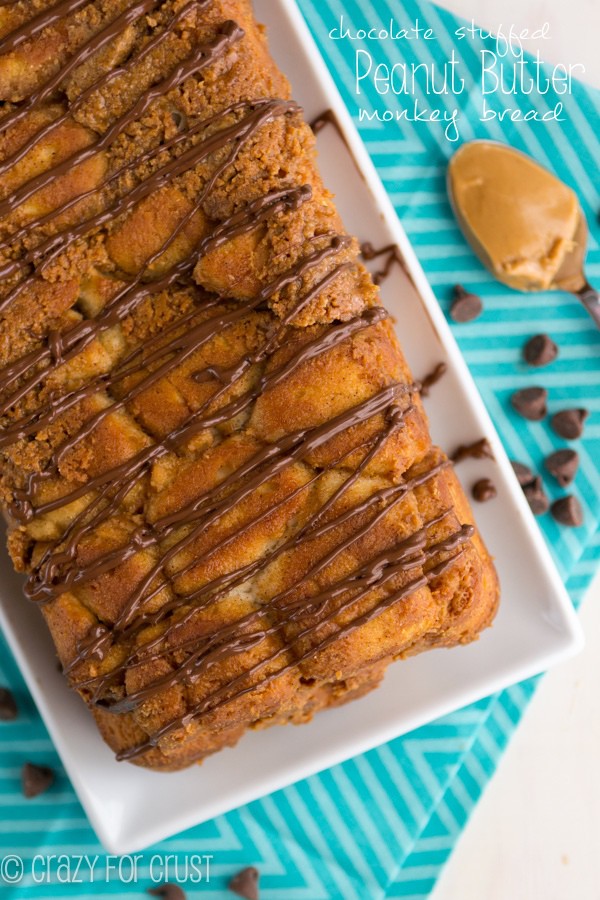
x,y
215,465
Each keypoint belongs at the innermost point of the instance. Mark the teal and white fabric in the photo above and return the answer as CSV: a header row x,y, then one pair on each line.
x,y
382,825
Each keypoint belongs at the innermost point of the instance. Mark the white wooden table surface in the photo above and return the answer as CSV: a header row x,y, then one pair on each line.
x,y
535,834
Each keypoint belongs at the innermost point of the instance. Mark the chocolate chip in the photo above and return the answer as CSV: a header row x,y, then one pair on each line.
x,y
245,883
531,403
567,510
563,465
484,490
568,423
35,779
524,474
432,378
540,350
536,497
480,449
8,706
179,119
168,891
465,306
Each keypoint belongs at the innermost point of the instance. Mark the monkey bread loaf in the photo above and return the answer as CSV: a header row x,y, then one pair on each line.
x,y
215,465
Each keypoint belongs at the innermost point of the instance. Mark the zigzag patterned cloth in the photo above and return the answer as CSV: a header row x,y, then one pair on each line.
x,y
383,824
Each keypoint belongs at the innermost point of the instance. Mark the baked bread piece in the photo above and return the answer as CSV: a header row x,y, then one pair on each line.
x,y
215,464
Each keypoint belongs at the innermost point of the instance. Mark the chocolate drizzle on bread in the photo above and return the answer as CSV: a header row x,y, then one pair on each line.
x,y
137,353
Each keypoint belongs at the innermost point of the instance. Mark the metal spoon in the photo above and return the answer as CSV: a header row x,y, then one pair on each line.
x,y
501,181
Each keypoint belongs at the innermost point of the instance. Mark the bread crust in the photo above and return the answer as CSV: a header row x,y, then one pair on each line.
x,y
215,463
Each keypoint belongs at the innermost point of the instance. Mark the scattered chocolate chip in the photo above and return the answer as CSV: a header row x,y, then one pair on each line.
x,y
35,779
563,465
8,706
465,306
536,497
524,474
245,883
531,403
168,891
432,378
540,350
480,449
484,490
567,510
568,423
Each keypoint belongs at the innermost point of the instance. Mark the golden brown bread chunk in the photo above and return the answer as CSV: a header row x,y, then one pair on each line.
x,y
215,463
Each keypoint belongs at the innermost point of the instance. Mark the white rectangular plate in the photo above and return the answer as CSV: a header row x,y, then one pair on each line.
x,y
131,808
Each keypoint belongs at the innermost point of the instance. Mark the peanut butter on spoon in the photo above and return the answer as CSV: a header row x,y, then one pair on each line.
x,y
526,225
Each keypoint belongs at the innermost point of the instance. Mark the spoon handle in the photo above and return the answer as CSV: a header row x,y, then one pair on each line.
x,y
590,298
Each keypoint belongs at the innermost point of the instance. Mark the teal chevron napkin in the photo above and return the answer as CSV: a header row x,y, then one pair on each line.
x,y
382,825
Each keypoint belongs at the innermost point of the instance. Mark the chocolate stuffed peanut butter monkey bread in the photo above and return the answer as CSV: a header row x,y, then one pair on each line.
x,y
216,468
